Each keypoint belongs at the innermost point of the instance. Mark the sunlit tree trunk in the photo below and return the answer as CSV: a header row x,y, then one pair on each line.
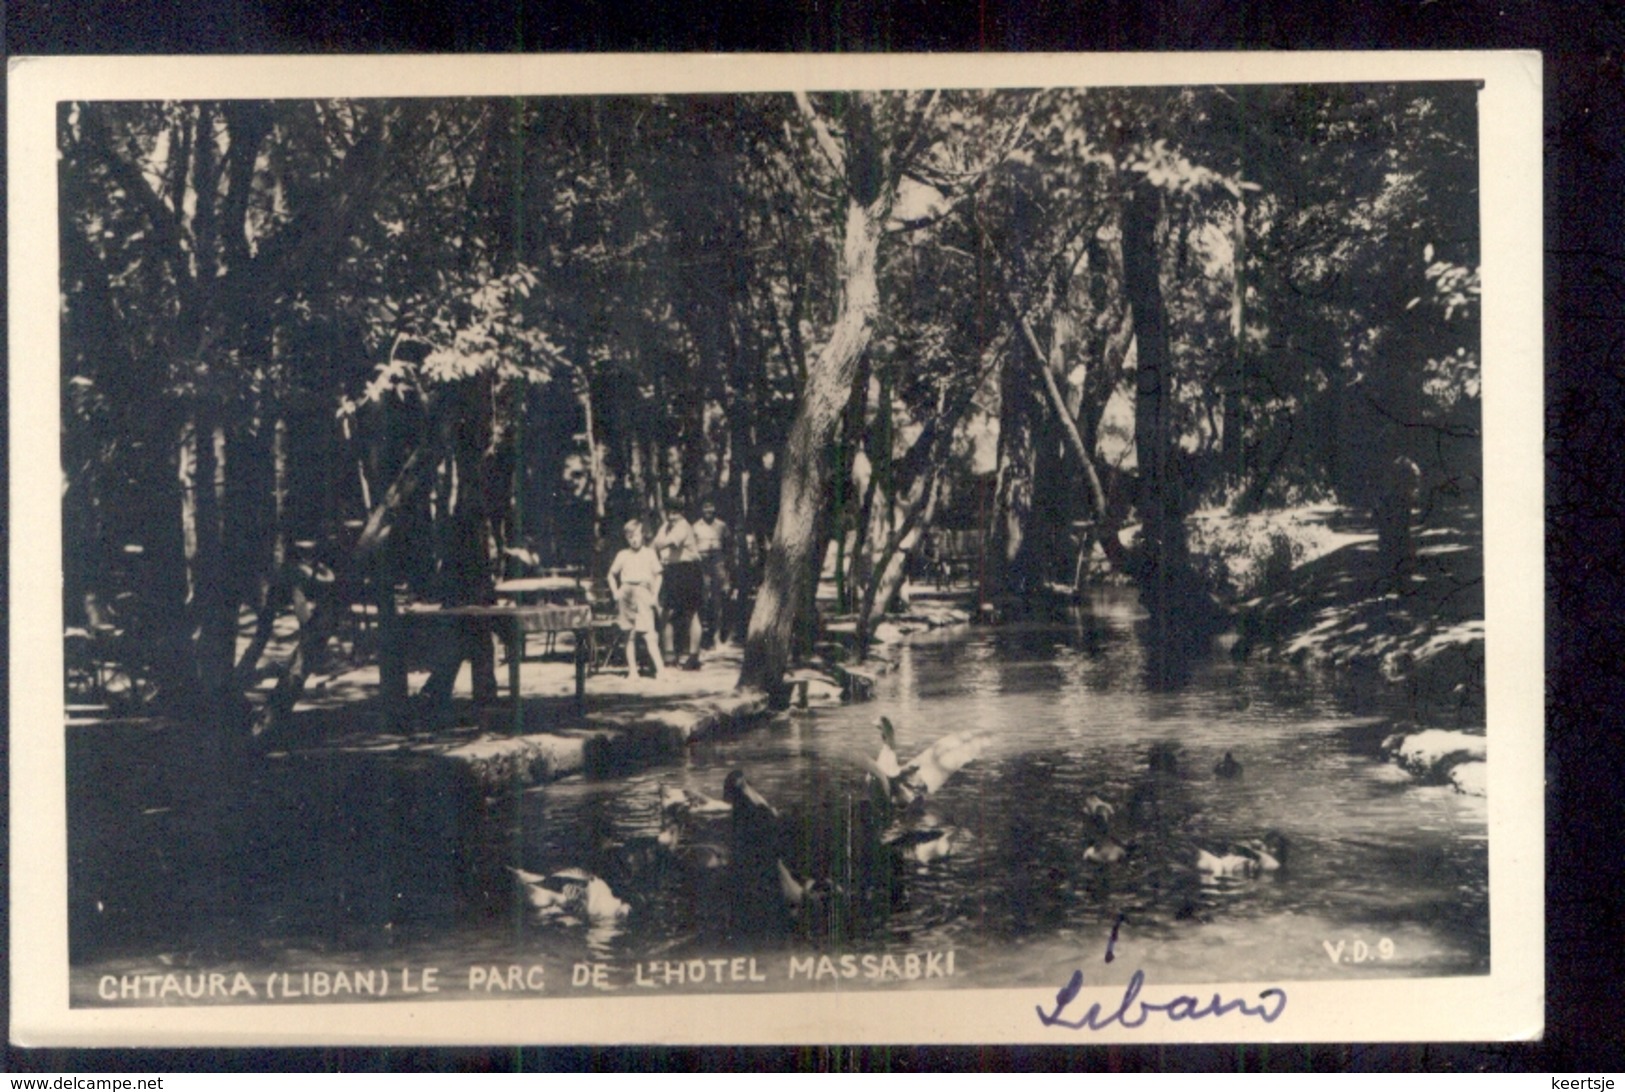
x,y
1233,450
793,561
891,560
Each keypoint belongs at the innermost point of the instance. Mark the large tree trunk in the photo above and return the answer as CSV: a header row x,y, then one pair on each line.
x,y
210,621
1172,591
793,562
466,575
1153,383
1016,490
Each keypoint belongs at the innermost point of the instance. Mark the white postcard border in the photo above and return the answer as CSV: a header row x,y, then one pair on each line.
x,y
1506,1004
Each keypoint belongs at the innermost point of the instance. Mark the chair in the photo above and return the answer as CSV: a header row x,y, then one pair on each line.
x,y
606,635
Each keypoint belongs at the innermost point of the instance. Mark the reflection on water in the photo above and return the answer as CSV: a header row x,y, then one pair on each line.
x,y
1385,869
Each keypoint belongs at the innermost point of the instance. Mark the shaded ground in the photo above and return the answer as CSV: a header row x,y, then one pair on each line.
x,y
1423,631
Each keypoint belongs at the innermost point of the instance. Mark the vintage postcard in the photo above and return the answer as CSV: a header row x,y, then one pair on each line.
x,y
730,549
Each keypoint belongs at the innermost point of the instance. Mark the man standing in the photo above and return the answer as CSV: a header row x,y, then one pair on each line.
x,y
684,593
711,539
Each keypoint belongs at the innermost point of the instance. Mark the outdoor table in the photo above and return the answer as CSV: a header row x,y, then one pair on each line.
x,y
555,590
541,589
512,623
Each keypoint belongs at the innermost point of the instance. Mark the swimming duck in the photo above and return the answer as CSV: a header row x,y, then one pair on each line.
x,y
1106,851
571,893
803,897
1249,859
758,901
1163,758
929,842
744,801
674,842
690,802
1099,810
1227,863
1269,850
757,826
1227,767
886,763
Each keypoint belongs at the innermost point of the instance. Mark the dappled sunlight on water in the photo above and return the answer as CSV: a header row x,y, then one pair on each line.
x,y
1372,858
1381,877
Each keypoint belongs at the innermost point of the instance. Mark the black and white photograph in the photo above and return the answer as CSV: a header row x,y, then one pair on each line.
x,y
1040,550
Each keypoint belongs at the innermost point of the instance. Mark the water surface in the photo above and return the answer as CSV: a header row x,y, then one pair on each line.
x,y
1383,876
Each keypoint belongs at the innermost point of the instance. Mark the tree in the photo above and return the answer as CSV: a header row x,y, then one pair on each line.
x,y
874,141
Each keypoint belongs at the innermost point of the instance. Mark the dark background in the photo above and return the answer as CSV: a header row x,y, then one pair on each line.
x,y
1584,48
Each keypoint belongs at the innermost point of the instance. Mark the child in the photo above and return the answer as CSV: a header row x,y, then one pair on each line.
x,y
634,581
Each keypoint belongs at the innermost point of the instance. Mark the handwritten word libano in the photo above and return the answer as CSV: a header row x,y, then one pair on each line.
x,y
1132,1012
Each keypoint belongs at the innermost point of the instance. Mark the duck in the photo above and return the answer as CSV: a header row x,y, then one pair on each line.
x,y
929,770
1225,863
745,802
630,859
690,802
932,841
801,897
571,893
697,855
1163,758
932,767
1269,850
886,763
1098,810
757,826
1248,859
1158,800
1227,767
1106,851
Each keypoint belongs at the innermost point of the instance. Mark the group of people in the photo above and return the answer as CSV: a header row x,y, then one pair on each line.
x,y
672,590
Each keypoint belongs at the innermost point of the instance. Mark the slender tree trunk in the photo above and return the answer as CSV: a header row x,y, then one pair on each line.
x,y
870,530
273,581
792,563
874,523
843,481
186,470
209,613
1013,503
595,465
1235,460
886,577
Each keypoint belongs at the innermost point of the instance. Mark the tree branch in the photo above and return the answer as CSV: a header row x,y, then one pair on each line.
x,y
911,148
826,139
1097,495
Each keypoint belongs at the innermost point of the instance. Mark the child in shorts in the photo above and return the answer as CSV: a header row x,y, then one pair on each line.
x,y
634,581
